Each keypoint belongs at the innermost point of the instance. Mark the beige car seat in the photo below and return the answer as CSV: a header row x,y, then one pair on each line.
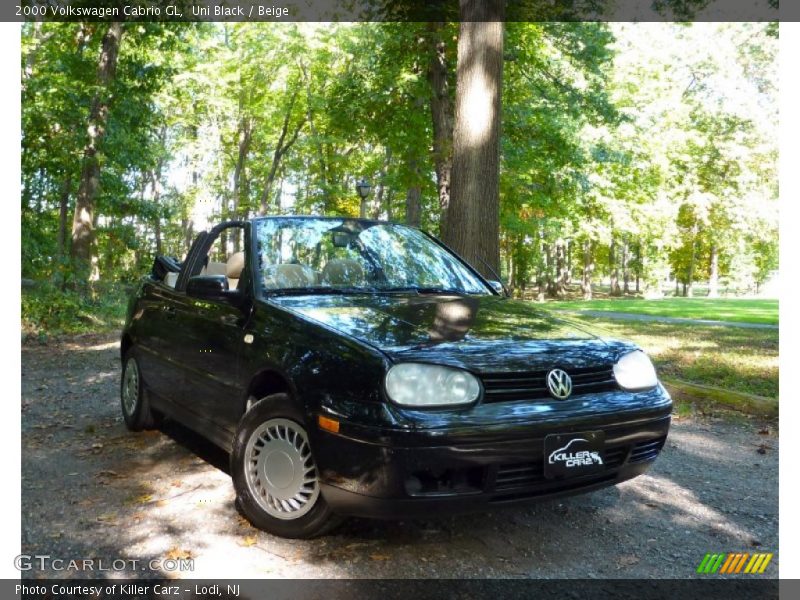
x,y
289,276
234,268
171,279
215,268
343,271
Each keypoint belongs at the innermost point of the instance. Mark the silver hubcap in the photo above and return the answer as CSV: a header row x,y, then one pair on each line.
x,y
280,470
130,387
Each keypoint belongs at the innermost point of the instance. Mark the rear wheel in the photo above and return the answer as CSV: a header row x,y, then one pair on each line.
x,y
133,396
274,472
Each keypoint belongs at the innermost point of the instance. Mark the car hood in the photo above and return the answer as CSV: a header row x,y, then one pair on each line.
x,y
479,333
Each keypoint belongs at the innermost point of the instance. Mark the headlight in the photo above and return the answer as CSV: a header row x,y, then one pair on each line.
x,y
415,384
634,371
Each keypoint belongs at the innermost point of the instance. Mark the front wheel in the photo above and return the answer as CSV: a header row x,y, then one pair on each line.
x,y
274,473
133,396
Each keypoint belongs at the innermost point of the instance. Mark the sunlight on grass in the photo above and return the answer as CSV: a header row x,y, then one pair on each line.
x,y
742,360
719,309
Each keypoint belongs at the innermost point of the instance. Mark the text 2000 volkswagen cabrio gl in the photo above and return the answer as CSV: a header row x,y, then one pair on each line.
x,y
356,367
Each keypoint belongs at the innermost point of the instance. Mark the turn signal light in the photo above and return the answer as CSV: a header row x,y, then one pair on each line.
x,y
328,424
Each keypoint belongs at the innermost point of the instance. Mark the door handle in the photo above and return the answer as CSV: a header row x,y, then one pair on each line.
x,y
171,312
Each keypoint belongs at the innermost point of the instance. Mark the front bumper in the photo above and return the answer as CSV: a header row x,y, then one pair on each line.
x,y
422,472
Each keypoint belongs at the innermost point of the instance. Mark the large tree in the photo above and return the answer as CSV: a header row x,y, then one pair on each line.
x,y
83,220
473,216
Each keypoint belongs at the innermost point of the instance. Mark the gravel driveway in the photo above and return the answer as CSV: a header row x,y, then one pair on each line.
x,y
92,490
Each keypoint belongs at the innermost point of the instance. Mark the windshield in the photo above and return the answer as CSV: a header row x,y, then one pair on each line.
x,y
307,255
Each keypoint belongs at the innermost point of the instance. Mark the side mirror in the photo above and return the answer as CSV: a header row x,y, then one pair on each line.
x,y
211,287
498,287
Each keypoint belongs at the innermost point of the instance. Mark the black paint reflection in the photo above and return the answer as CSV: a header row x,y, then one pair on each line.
x,y
481,333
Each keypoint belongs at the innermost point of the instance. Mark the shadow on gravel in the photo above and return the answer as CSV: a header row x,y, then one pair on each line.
x,y
197,445
167,494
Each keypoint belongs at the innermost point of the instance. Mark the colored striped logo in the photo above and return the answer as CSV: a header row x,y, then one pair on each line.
x,y
735,562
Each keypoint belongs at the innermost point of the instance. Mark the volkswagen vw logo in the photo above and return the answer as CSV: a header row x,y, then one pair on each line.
x,y
559,383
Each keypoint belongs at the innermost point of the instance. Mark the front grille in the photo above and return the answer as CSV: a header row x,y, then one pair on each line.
x,y
644,451
555,487
517,475
508,387
614,457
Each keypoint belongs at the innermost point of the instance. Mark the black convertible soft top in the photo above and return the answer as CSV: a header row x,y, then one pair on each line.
x,y
163,265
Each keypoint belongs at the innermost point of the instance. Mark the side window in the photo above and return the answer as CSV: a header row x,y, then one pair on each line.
x,y
226,256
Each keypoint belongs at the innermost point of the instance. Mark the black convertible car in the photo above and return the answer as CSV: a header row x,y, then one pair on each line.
x,y
356,367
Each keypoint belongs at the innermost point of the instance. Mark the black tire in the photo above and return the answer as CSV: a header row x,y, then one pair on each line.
x,y
137,414
318,519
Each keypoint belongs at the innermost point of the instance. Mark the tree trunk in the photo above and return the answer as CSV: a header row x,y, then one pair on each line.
x,y
61,237
442,119
240,191
155,182
412,206
187,227
612,259
561,269
473,216
688,290
639,264
30,59
626,271
381,189
588,267
551,269
83,220
316,139
63,214
413,198
568,266
713,278
282,146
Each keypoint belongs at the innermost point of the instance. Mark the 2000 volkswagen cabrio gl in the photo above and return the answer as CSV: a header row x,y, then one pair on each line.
x,y
355,367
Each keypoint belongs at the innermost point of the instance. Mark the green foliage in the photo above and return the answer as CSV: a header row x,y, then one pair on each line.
x,y
48,310
656,140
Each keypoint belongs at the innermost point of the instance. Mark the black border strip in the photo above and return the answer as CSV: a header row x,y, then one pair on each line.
x,y
708,588
394,10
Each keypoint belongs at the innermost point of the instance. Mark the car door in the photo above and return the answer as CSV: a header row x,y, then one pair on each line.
x,y
212,335
158,347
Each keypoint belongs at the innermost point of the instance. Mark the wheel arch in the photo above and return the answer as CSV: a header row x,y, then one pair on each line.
x,y
124,345
265,383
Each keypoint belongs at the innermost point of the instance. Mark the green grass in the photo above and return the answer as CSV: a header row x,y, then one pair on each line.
x,y
722,309
742,360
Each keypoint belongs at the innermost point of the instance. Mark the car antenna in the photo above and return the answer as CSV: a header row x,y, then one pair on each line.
x,y
497,277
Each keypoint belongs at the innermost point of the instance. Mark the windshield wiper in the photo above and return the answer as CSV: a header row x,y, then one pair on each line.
x,y
319,290
343,291
427,290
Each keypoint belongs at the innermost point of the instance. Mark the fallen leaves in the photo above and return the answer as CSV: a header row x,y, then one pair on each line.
x,y
762,448
176,553
108,518
627,560
243,522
